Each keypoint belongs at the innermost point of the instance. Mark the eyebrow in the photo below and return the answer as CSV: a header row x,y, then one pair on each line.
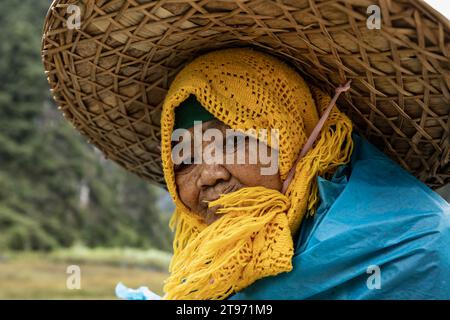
x,y
211,123
205,126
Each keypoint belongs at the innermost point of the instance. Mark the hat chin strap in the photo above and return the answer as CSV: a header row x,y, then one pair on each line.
x,y
315,133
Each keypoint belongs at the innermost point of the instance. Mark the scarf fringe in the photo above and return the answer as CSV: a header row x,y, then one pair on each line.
x,y
201,266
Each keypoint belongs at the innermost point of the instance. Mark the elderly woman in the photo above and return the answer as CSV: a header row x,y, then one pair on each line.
x,y
235,226
337,219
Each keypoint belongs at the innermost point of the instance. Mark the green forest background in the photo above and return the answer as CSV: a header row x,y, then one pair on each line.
x,y
56,190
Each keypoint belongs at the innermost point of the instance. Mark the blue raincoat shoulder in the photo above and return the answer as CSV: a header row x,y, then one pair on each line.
x,y
378,233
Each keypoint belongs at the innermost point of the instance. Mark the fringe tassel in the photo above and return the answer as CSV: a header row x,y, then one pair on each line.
x,y
201,270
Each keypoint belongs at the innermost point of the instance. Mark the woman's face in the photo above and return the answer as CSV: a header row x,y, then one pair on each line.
x,y
201,183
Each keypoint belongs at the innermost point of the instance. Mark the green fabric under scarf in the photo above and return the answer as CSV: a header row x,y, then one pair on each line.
x,y
189,111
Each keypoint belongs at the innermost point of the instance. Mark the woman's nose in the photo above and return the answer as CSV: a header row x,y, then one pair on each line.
x,y
211,174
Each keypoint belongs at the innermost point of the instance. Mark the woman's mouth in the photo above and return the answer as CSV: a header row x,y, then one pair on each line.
x,y
210,212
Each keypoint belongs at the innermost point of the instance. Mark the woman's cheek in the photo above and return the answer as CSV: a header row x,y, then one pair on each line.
x,y
245,173
187,190
183,192
250,175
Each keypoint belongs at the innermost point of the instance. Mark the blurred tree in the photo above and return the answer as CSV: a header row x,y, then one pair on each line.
x,y
55,189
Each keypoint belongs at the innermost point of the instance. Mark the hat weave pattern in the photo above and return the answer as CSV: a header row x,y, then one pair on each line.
x,y
110,76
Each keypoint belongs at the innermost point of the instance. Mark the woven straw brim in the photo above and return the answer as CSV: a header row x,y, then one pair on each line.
x,y
110,76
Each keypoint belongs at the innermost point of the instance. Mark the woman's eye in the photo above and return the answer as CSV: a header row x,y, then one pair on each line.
x,y
184,165
181,167
231,144
234,143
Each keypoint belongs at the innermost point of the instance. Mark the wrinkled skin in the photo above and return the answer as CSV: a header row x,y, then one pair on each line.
x,y
198,184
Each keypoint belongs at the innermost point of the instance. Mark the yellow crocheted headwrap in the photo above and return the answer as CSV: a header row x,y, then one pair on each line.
x,y
246,89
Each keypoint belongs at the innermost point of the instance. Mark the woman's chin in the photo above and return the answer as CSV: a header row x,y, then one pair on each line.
x,y
210,216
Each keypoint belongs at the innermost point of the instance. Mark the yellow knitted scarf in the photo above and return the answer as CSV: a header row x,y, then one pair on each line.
x,y
246,89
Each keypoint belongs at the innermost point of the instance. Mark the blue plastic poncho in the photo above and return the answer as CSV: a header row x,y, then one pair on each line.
x,y
379,233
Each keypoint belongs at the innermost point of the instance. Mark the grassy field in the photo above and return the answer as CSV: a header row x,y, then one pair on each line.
x,y
43,276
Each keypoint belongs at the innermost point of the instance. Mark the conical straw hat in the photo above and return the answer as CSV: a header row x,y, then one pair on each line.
x,y
110,76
